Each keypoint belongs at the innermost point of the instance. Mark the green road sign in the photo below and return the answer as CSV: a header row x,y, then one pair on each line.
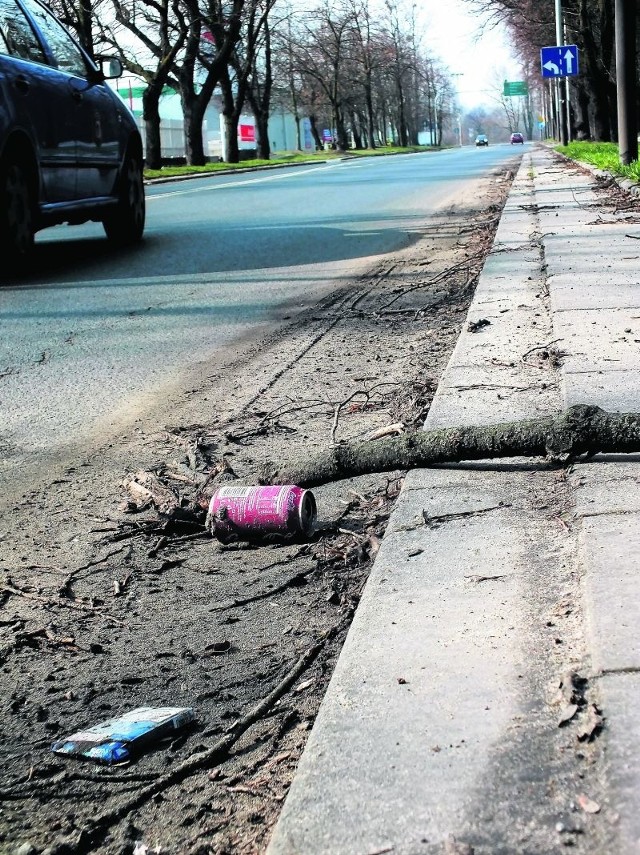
x,y
515,88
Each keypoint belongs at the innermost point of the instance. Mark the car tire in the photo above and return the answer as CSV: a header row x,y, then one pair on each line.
x,y
16,214
124,225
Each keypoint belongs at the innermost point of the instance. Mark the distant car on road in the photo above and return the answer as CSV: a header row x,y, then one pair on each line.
x,y
70,150
482,139
517,138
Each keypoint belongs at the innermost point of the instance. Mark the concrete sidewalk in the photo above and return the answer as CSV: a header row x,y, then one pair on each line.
x,y
440,728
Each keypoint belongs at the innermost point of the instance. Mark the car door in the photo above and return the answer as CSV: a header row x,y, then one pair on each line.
x,y
39,105
95,117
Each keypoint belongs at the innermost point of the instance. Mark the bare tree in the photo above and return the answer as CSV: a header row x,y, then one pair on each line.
x,y
249,78
320,50
155,36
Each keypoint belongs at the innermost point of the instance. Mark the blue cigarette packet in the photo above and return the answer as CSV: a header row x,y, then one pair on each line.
x,y
115,740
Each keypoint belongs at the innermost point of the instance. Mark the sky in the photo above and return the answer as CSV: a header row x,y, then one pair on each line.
x,y
483,60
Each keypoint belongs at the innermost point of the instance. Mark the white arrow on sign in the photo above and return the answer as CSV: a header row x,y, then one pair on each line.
x,y
551,66
568,58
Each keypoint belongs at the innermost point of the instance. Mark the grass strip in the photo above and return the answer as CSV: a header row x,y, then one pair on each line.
x,y
604,155
281,159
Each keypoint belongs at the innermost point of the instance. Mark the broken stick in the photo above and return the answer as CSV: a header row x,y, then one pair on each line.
x,y
581,430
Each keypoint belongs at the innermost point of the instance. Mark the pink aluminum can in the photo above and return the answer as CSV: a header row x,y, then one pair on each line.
x,y
250,513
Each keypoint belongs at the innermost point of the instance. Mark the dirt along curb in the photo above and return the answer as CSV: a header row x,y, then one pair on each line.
x,y
108,604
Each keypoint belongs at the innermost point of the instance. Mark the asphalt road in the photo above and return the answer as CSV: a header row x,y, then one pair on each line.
x,y
94,337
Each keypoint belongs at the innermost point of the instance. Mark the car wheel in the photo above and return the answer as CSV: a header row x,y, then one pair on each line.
x,y
16,214
125,223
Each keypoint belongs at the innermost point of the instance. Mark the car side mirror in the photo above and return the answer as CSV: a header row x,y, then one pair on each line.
x,y
110,66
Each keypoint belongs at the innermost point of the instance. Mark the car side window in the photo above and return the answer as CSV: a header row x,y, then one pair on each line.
x,y
65,51
17,34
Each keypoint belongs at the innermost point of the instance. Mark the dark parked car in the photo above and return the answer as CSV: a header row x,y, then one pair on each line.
x,y
482,139
517,138
69,147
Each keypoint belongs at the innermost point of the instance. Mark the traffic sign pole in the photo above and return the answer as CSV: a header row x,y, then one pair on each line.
x,y
564,138
567,91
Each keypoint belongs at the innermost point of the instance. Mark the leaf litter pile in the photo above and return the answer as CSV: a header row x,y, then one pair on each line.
x,y
114,595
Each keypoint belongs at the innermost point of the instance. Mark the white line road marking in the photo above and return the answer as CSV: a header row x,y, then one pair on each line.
x,y
262,180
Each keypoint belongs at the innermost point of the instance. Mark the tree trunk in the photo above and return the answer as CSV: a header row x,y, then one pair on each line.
x,y
581,106
355,130
313,121
231,152
193,113
402,119
231,147
298,131
580,430
384,121
85,26
256,87
342,141
597,78
264,144
368,101
151,119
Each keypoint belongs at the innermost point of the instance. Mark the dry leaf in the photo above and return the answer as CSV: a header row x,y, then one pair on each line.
x,y
217,647
588,805
390,430
457,847
592,726
567,714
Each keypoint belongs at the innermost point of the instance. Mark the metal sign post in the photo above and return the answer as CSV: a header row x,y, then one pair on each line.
x,y
564,137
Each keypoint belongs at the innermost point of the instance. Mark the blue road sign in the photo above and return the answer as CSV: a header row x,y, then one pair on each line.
x,y
559,61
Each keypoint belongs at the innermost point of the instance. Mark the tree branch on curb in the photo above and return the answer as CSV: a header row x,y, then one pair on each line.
x,y
581,430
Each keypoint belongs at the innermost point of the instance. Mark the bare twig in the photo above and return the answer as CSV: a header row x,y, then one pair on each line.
x,y
291,582
367,393
64,589
539,347
438,278
54,603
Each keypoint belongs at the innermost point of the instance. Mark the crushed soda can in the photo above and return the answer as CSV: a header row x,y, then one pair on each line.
x,y
253,513
115,740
